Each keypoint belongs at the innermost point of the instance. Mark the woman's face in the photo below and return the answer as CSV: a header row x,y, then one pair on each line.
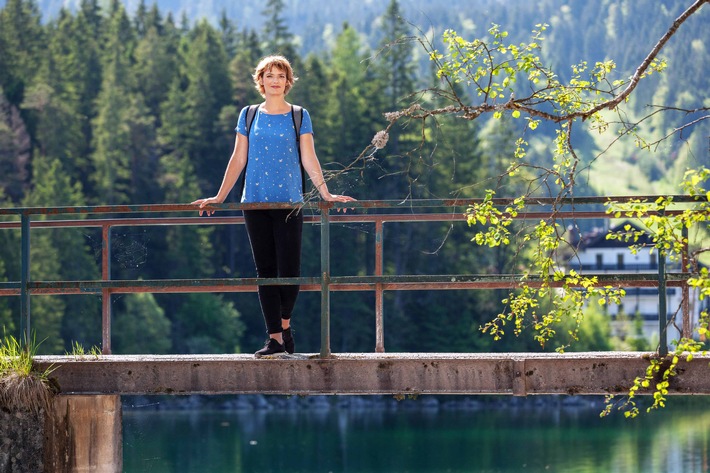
x,y
274,81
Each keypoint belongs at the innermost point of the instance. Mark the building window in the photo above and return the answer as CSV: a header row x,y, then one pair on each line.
x,y
620,261
654,261
600,262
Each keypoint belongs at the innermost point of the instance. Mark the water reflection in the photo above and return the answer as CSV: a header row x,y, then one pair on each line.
x,y
350,435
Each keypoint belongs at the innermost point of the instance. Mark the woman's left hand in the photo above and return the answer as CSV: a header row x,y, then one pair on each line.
x,y
338,198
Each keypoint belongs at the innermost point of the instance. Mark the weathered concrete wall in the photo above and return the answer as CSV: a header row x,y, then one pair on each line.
x,y
21,442
84,434
517,374
79,434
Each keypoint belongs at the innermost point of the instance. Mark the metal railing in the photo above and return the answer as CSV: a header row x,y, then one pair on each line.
x,y
372,212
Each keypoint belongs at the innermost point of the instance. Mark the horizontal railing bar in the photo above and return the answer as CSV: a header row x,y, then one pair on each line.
x,y
338,283
334,287
354,218
10,288
516,278
414,203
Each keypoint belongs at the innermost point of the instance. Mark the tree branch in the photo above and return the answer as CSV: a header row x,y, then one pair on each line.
x,y
641,70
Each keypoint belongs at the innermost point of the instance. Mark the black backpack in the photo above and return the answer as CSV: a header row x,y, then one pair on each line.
x,y
297,117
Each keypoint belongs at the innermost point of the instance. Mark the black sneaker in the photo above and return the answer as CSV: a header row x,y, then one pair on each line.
x,y
271,347
289,344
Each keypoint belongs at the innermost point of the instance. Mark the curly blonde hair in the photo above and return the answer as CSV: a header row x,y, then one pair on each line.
x,y
269,62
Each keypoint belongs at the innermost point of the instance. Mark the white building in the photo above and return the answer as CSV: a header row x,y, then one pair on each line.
x,y
596,254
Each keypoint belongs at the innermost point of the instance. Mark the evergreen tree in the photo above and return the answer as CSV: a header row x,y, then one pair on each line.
x,y
54,254
349,132
388,176
176,133
55,99
141,20
594,331
395,78
178,181
207,91
90,13
450,161
201,323
230,38
277,37
156,64
84,72
124,158
56,167
444,165
241,68
313,93
395,61
189,249
143,152
349,57
112,134
81,319
21,46
154,18
206,323
15,149
141,326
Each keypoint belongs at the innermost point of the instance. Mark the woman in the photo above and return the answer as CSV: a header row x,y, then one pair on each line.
x,y
274,175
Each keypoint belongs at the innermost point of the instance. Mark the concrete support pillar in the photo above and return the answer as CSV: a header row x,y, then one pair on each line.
x,y
84,434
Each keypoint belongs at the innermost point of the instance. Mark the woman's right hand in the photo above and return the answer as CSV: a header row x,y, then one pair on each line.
x,y
202,203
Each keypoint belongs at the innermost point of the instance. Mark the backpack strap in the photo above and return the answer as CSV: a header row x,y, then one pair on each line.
x,y
297,117
251,114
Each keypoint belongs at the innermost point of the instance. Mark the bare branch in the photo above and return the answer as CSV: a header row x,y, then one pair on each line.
x,y
530,104
641,70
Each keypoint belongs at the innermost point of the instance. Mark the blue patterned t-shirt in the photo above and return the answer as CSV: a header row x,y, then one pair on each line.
x,y
273,171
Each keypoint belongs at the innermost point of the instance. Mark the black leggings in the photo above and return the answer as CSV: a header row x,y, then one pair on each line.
x,y
275,237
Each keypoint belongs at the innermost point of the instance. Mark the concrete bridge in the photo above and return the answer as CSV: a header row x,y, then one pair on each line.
x,y
517,374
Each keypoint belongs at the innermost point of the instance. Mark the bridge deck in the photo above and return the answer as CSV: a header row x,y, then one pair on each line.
x,y
517,374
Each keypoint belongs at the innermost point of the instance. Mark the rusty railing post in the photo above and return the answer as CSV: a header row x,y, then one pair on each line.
x,y
25,277
662,304
685,289
379,296
106,292
325,279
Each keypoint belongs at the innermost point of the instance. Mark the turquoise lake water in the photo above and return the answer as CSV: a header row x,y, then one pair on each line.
x,y
436,435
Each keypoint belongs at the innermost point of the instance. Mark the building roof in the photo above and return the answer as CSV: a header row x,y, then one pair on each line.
x,y
598,239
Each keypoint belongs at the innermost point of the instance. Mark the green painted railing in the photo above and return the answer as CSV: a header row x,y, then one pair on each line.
x,y
375,212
